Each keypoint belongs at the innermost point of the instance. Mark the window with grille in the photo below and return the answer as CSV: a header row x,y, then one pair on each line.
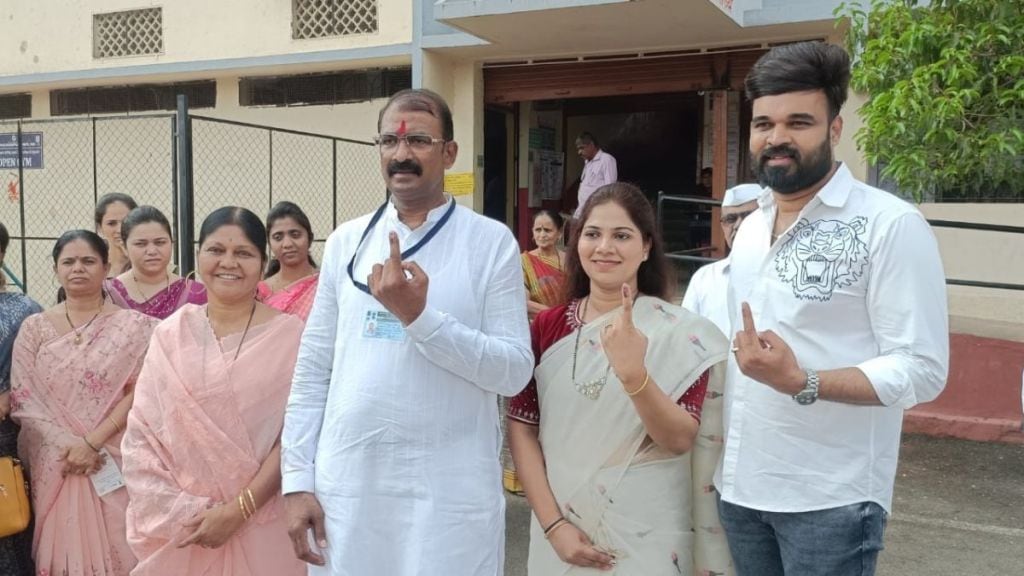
x,y
15,106
323,89
128,99
129,33
321,18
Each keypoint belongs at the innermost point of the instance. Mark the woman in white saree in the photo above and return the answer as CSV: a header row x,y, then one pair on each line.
x,y
617,437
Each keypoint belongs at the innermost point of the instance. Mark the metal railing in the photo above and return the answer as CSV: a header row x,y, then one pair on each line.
x,y
690,255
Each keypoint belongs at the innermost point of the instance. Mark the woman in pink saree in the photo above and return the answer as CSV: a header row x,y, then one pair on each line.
x,y
201,449
291,277
148,285
73,371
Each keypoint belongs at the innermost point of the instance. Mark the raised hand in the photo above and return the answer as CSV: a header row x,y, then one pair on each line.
x,y
765,357
403,295
625,346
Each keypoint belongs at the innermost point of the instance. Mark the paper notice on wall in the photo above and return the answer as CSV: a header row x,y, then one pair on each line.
x,y
459,183
547,171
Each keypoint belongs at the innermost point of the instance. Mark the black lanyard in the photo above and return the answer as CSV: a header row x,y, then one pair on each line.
x,y
407,253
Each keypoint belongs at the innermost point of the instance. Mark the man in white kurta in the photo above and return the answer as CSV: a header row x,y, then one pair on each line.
x,y
708,290
393,424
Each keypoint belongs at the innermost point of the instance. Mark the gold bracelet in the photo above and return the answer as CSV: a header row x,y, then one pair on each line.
x,y
117,427
252,501
89,444
241,505
642,386
554,527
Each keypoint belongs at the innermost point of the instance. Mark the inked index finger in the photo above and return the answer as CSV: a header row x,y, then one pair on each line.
x,y
748,320
627,305
396,251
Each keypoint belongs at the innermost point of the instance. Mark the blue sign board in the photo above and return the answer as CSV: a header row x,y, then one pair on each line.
x,y
31,150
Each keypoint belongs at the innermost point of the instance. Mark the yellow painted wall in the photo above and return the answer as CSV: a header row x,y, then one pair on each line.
x,y
461,85
50,36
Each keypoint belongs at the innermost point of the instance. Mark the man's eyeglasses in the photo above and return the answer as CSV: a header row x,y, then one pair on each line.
x,y
730,219
418,142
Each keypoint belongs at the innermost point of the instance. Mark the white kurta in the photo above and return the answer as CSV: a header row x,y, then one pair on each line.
x,y
397,433
708,294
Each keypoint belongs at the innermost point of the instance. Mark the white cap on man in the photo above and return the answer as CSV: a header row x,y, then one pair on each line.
x,y
741,194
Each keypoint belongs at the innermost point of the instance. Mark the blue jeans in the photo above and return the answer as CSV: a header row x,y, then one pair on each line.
x,y
842,541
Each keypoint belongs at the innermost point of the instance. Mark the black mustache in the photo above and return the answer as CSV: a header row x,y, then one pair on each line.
x,y
405,166
779,151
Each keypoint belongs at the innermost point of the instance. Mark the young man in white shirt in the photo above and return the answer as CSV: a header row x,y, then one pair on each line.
x,y
838,304
600,168
707,293
389,454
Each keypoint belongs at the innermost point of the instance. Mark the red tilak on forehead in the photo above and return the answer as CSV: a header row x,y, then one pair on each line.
x,y
401,129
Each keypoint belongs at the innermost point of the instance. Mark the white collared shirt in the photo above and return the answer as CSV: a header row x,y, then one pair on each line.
x,y
707,294
856,281
598,171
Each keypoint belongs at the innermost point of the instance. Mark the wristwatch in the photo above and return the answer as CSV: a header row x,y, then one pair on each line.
x,y
809,394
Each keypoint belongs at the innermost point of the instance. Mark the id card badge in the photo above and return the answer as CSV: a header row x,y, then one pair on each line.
x,y
108,478
382,325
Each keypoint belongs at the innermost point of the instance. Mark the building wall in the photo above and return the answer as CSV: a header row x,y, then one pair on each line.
x,y
41,37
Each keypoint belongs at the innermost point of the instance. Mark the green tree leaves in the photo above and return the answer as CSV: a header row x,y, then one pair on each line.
x,y
945,82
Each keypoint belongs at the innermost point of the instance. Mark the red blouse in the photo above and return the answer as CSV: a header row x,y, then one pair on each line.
x,y
556,323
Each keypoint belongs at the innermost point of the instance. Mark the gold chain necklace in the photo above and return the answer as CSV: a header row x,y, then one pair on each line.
x,y
78,333
245,332
592,388
138,286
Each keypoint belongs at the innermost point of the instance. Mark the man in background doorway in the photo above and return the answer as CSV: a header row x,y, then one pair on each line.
x,y
704,188
600,168
708,291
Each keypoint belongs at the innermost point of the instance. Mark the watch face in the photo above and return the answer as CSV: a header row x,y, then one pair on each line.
x,y
805,398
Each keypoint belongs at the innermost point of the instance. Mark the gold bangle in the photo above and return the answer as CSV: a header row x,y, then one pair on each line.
x,y
642,386
117,427
241,505
252,501
89,444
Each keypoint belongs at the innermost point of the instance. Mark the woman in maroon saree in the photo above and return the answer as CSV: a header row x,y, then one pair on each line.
x,y
148,286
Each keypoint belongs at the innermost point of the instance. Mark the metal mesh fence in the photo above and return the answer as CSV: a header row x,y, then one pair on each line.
x,y
331,179
236,164
80,160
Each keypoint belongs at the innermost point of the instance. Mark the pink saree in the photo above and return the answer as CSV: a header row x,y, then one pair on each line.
x,y
60,392
295,299
198,432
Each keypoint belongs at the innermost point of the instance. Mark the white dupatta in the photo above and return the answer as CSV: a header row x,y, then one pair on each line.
x,y
653,510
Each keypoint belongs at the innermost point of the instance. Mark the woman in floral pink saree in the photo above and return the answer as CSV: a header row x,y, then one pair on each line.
x,y
73,370
202,458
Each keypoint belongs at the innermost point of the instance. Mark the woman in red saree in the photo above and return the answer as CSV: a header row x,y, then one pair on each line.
x,y
291,277
148,285
73,372
543,273
202,456
543,267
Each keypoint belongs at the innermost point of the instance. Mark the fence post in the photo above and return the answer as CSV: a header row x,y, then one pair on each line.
x,y
95,170
334,184
21,214
185,204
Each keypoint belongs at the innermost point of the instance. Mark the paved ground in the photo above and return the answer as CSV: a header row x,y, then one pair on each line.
x,y
959,510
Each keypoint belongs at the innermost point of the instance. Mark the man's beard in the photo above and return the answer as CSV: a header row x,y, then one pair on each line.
x,y
805,172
